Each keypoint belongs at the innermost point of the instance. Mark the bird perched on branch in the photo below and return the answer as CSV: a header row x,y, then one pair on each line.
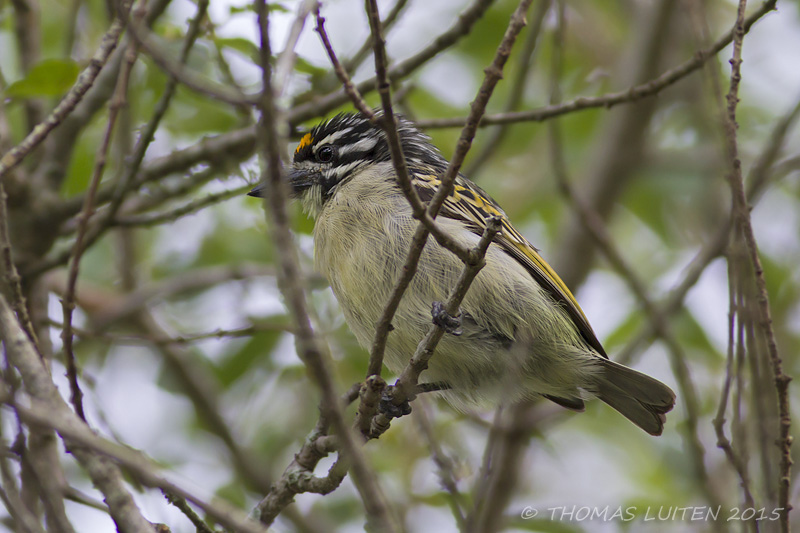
x,y
521,334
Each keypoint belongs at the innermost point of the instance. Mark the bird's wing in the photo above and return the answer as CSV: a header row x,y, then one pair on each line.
x,y
470,204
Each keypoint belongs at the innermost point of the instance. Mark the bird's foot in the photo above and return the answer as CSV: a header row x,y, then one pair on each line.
x,y
391,409
449,323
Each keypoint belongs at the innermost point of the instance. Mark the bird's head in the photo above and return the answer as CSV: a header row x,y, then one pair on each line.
x,y
336,150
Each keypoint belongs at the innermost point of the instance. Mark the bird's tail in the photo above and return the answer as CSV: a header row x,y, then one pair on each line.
x,y
638,397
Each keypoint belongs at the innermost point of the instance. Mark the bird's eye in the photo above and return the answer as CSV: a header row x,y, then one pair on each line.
x,y
325,154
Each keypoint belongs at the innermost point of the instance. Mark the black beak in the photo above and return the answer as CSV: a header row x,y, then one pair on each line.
x,y
258,190
299,180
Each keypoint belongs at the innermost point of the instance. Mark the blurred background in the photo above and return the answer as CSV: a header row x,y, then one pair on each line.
x,y
183,344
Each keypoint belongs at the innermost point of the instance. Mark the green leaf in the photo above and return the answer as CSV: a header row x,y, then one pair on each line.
x,y
255,351
272,8
695,341
244,46
51,77
191,114
304,66
625,331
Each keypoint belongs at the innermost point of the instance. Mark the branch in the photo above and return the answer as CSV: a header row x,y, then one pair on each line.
x,y
11,278
68,301
154,219
177,70
493,74
350,89
517,84
741,216
352,63
54,412
311,350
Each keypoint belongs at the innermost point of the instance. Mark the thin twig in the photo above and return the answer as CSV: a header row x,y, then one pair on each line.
x,y
736,309
218,152
68,301
341,73
153,219
11,277
237,333
188,512
406,386
352,63
178,70
744,231
517,84
417,206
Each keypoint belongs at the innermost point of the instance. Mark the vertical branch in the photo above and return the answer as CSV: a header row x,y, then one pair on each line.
x,y
310,349
444,463
621,146
732,365
36,379
387,122
11,278
68,301
744,231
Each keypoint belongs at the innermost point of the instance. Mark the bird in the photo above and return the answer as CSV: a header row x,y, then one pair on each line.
x,y
522,333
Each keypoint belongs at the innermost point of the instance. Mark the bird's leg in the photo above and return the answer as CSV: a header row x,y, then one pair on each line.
x,y
434,386
391,409
449,323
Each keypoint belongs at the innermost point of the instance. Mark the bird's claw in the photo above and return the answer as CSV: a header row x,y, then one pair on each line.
x,y
449,323
391,409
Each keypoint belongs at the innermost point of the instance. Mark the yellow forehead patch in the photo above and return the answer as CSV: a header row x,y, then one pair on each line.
x,y
305,141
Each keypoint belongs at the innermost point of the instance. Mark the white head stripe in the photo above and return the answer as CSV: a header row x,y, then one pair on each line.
x,y
333,136
363,145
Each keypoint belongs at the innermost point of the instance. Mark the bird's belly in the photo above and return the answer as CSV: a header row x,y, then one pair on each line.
x,y
507,349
